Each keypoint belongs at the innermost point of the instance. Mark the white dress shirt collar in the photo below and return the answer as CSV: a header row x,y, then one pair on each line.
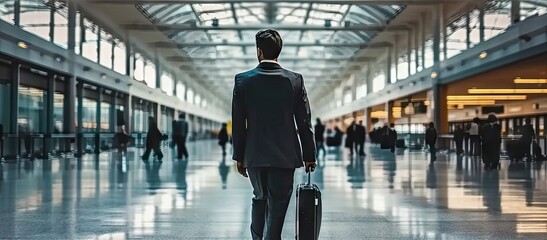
x,y
268,61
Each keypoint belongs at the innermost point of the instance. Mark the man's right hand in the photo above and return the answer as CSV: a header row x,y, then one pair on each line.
x,y
310,166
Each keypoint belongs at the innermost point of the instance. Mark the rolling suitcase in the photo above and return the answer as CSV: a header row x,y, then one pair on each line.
x,y
308,211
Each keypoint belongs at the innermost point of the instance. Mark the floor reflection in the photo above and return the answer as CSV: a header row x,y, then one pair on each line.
x,y
380,196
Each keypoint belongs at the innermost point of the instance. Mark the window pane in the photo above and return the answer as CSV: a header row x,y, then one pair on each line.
x,y
89,45
6,11
190,96
119,57
497,19
31,109
35,18
138,73
456,41
530,8
181,91
474,24
60,32
167,83
379,82
106,50
150,75
105,116
402,67
89,115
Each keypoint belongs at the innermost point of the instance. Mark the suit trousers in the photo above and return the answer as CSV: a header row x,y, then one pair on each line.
x,y
272,190
180,141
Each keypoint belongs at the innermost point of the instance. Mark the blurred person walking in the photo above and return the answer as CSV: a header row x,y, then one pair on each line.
x,y
319,137
431,140
153,140
223,138
180,134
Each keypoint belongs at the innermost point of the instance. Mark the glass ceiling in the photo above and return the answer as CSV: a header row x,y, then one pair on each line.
x,y
230,14
329,43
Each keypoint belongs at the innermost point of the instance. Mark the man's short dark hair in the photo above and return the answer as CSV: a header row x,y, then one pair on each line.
x,y
270,42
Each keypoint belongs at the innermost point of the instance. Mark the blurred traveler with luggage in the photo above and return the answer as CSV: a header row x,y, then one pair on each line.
x,y
223,138
319,137
180,134
528,134
153,140
491,142
267,101
459,135
431,140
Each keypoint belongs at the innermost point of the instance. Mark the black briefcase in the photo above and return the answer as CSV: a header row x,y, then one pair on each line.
x,y
308,211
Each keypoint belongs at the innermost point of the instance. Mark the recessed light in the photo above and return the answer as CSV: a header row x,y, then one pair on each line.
x,y
22,44
483,55
434,75
103,76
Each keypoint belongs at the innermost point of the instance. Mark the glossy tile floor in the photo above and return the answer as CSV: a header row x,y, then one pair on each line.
x,y
379,197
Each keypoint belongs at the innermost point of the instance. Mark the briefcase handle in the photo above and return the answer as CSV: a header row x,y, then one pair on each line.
x,y
309,178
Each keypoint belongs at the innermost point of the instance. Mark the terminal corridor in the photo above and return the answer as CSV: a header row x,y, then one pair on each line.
x,y
380,196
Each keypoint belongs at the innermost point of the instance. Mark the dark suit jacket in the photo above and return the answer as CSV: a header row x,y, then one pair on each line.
x,y
361,134
267,100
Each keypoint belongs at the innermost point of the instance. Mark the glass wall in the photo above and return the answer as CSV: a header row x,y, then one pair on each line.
x,y
31,109
105,116
402,67
89,115
58,112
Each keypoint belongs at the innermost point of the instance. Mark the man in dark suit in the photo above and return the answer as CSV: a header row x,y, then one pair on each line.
x,y
180,133
361,136
267,100
491,142
351,140
319,137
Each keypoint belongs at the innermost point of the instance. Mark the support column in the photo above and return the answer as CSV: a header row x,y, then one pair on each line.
x,y
422,40
369,78
481,25
368,118
70,81
396,58
417,44
129,60
158,72
515,11
437,29
52,25
128,110
50,118
468,31
98,120
17,13
113,112
440,108
14,97
388,66
409,51
389,110
80,111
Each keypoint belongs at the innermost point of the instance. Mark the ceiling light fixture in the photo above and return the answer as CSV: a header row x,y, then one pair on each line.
x,y
103,76
530,81
471,102
434,75
483,55
486,97
506,91
22,44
